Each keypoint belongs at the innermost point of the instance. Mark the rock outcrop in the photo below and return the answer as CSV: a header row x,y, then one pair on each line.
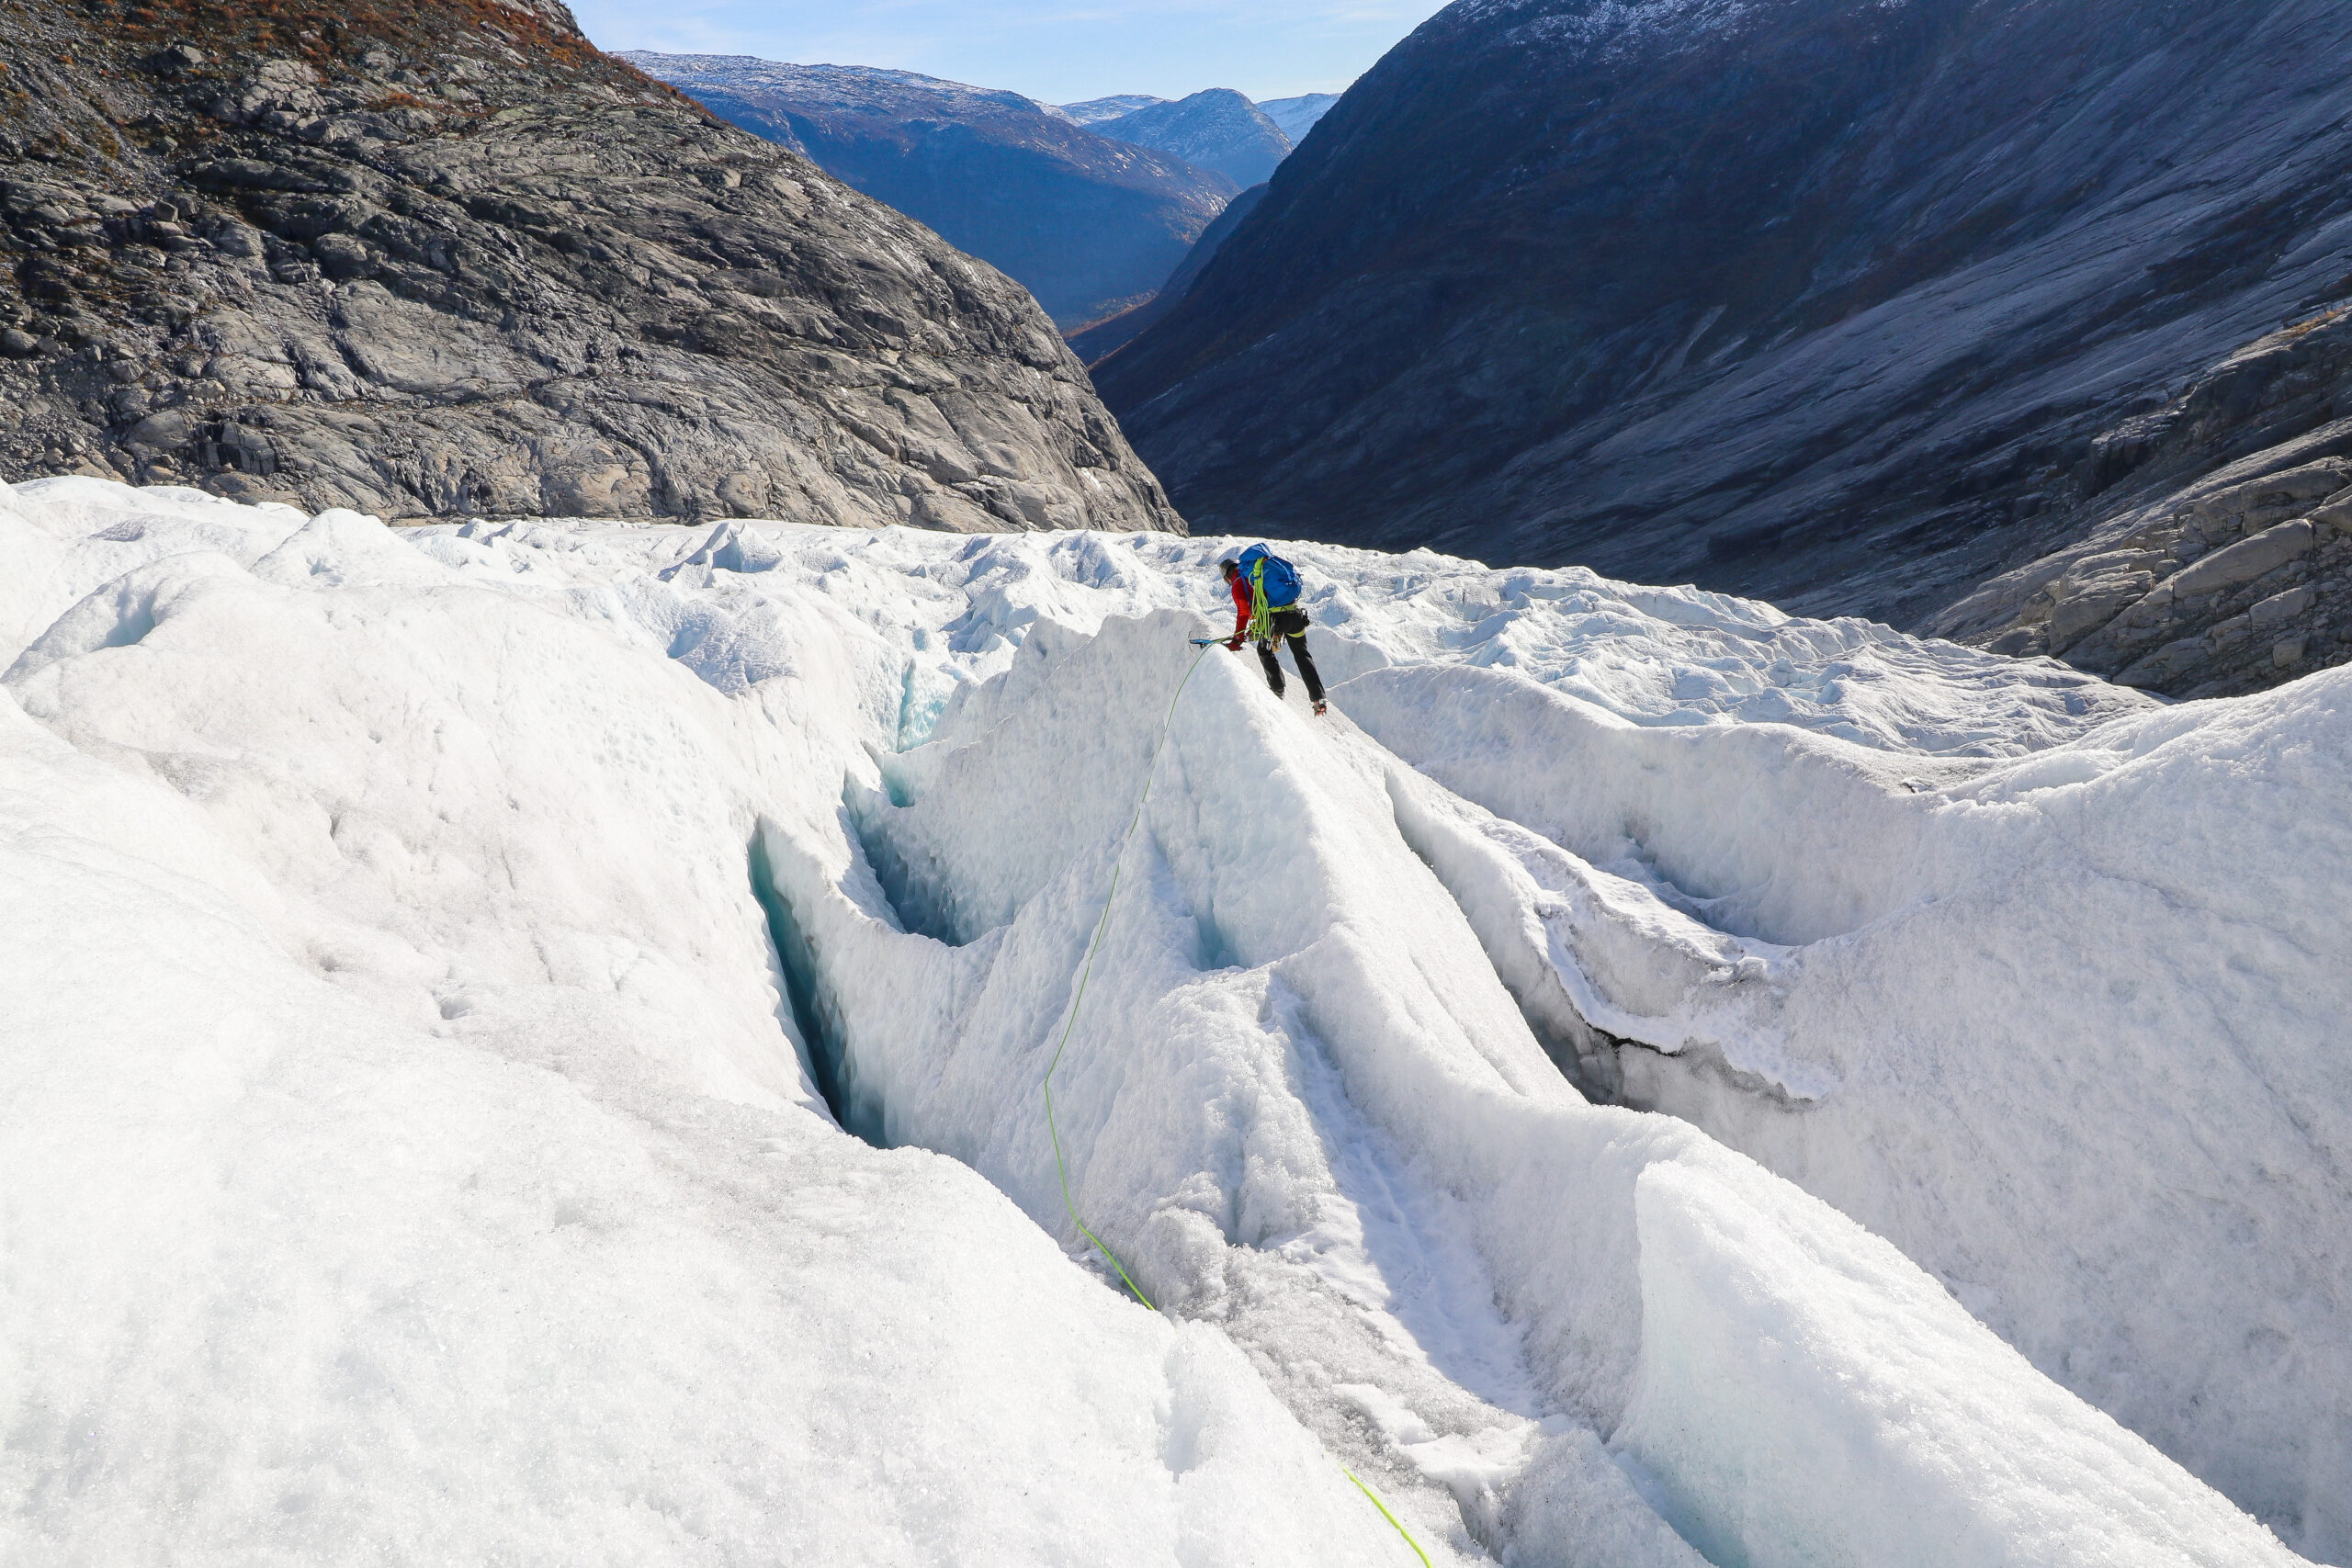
x,y
2214,554
1091,224
445,257
1216,129
1826,301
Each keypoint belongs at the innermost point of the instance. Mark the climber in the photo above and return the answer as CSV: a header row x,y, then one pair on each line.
x,y
1266,610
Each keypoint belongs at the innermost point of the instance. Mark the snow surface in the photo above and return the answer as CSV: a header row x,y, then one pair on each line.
x,y
432,946
2068,1030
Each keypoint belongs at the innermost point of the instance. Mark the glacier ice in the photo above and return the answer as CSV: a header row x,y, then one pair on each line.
x,y
2063,1028
436,947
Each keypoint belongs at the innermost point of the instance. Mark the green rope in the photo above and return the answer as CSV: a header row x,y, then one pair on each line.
x,y
1085,973
1389,1516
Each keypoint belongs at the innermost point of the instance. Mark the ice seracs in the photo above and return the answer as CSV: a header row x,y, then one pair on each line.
x,y
408,1156
445,941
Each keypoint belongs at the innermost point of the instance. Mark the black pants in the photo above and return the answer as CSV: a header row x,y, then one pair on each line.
x,y
1291,625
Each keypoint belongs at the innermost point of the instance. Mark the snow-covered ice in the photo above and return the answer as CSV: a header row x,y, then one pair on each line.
x,y
2069,1030
430,954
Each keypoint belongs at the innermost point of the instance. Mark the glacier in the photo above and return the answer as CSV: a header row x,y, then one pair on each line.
x,y
526,1041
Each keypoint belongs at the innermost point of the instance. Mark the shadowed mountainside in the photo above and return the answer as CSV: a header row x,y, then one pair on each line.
x,y
1091,224
1101,338
1826,301
447,259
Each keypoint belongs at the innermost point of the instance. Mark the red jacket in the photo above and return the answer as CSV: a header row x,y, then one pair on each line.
x,y
1242,608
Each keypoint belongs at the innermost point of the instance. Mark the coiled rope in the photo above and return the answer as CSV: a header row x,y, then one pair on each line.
x,y
1086,972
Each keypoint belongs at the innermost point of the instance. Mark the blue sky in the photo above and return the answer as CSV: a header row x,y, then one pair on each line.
x,y
1054,51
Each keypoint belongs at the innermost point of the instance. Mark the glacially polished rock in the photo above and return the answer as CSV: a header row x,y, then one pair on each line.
x,y
451,259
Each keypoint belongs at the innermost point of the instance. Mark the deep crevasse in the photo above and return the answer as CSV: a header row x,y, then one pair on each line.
x,y
464,780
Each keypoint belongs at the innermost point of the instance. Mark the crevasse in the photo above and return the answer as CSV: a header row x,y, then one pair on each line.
x,y
472,806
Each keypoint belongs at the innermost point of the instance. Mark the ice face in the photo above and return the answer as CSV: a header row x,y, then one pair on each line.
x,y
443,944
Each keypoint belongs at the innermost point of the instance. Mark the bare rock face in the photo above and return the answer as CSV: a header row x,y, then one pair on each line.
x,y
2215,554
447,259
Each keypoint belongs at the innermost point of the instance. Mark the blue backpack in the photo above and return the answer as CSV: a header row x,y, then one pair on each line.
x,y
1275,579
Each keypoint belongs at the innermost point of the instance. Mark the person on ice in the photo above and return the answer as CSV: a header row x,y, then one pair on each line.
x,y
1266,610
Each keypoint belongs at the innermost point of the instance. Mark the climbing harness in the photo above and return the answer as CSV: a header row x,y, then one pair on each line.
x,y
1086,972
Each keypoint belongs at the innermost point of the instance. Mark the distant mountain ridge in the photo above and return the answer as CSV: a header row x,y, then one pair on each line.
x,y
1093,111
1218,128
845,86
1091,224
1295,116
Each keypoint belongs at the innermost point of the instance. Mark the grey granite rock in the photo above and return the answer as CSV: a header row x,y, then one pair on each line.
x,y
2248,560
447,258
2230,510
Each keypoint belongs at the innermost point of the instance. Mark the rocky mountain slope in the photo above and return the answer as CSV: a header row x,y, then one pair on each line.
x,y
1091,224
1104,336
1295,116
2214,554
1849,305
1216,129
446,258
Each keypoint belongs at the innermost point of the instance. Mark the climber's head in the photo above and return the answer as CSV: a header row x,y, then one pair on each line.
x,y
1226,568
